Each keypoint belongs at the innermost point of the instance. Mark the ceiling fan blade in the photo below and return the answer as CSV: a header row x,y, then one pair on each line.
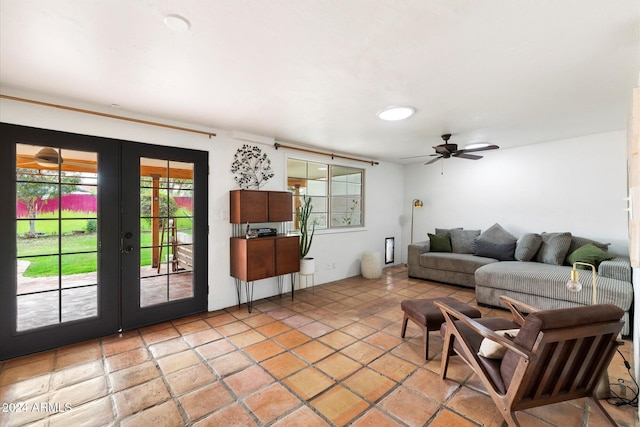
x,y
433,160
415,157
467,156
472,150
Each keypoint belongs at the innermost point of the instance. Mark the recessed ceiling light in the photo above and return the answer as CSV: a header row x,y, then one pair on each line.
x,y
177,22
476,145
396,113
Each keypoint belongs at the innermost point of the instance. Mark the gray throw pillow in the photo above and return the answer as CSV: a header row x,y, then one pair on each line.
x,y
446,230
500,238
499,251
527,246
464,241
554,248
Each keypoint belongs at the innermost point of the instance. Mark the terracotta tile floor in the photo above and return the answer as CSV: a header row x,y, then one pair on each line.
x,y
331,357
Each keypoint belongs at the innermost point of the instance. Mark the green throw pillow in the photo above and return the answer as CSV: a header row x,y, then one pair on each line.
x,y
440,242
589,253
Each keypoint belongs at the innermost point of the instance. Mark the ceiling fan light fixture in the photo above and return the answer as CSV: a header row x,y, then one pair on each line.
x,y
48,155
476,145
395,113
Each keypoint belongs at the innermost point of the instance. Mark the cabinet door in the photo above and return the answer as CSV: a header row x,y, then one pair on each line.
x,y
252,259
287,255
248,206
280,206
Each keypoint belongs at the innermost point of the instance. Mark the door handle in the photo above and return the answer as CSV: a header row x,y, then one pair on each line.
x,y
128,249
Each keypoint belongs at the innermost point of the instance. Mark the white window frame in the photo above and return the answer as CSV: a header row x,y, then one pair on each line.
x,y
324,217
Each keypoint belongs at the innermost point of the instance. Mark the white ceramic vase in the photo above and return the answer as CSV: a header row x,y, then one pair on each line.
x,y
307,266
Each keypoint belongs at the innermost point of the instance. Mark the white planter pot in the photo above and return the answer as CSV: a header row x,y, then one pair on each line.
x,y
307,266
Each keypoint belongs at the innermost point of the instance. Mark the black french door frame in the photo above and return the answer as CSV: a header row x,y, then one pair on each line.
x,y
133,314
115,308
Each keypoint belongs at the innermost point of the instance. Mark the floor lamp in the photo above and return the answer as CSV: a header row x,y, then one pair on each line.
x,y
417,203
604,390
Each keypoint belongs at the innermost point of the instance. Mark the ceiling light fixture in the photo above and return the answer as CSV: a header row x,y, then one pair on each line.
x,y
396,113
177,22
48,155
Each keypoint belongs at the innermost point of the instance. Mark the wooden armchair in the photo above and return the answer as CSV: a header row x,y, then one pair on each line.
x,y
557,355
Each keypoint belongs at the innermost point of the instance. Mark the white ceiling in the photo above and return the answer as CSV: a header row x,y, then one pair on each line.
x,y
316,72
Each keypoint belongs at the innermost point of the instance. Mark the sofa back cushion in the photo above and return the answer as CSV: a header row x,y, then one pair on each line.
x,y
554,248
527,246
464,241
496,242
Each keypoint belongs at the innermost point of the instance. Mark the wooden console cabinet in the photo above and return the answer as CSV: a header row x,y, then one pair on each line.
x,y
261,257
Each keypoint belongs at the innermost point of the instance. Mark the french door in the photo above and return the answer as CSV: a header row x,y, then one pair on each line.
x,y
98,235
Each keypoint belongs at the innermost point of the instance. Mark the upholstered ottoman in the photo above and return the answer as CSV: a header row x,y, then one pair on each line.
x,y
425,314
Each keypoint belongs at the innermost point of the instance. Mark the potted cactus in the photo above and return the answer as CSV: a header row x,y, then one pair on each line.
x,y
303,212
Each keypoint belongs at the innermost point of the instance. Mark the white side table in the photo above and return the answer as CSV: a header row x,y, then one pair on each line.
x,y
371,265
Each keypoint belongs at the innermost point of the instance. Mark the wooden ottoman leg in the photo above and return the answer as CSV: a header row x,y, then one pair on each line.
x,y
425,332
404,325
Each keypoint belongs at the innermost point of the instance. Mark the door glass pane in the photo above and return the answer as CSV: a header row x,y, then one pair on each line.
x,y
56,211
166,231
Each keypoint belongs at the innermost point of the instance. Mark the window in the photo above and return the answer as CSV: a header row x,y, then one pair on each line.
x,y
336,192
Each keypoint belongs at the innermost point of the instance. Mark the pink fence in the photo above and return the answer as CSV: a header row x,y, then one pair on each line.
x,y
84,203
70,202
185,202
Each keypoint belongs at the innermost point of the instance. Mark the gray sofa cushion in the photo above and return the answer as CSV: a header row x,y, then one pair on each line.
x,y
554,248
499,251
464,241
527,246
462,263
495,241
446,230
550,281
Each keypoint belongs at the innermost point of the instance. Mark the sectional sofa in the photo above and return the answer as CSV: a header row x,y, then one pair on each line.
x,y
533,269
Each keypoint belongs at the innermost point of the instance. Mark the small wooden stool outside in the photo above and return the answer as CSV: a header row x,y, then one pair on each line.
x,y
425,314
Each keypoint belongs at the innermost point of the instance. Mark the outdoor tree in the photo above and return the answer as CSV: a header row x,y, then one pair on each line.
x,y
34,187
168,206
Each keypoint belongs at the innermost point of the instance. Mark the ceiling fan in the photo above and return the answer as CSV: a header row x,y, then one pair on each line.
x,y
447,150
48,158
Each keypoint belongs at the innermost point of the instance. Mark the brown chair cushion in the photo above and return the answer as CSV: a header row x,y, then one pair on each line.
x,y
475,340
546,320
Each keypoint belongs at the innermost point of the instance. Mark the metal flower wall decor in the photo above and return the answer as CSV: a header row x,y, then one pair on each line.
x,y
251,167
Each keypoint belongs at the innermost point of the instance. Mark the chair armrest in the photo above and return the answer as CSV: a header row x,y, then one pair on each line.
x,y
451,314
517,308
417,249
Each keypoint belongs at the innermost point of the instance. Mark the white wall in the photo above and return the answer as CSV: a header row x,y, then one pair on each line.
x,y
577,185
337,254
